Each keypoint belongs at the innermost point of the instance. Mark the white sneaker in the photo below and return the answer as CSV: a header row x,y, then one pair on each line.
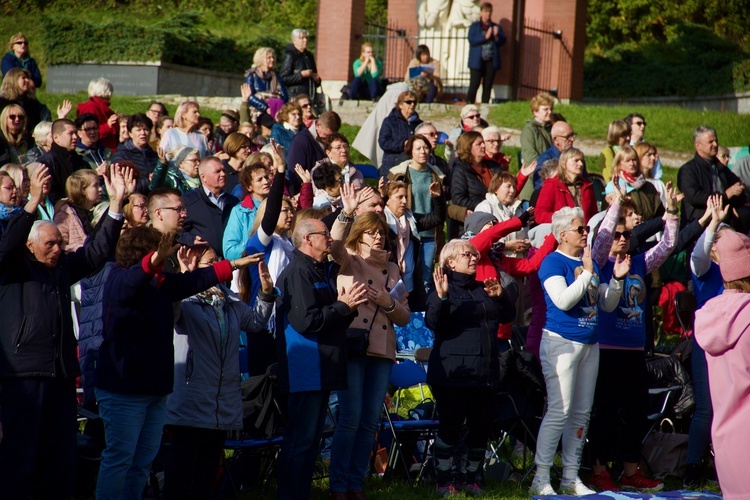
x,y
575,487
541,486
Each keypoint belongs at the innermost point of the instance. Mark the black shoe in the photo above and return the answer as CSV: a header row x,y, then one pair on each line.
x,y
692,478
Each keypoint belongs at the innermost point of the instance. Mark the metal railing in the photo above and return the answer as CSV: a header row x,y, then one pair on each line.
x,y
546,62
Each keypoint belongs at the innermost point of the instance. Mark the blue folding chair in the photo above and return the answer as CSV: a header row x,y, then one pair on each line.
x,y
413,336
368,171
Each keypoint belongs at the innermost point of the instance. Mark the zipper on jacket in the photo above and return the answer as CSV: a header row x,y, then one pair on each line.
x,y
22,332
189,367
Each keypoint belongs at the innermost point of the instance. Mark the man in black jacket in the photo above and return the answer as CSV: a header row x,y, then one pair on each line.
x,y
208,207
703,176
307,147
62,159
311,341
298,70
38,360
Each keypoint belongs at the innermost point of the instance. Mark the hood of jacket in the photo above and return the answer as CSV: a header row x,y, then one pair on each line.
x,y
720,324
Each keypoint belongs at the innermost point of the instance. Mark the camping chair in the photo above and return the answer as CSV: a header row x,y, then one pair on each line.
x,y
412,336
599,185
404,375
685,305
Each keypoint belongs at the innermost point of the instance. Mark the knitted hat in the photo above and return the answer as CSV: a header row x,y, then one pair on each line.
x,y
733,249
182,155
475,222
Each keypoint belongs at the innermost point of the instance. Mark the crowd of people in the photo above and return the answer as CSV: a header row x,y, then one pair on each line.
x,y
179,243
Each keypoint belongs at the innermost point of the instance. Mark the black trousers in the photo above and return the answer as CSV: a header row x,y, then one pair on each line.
x,y
473,405
39,437
191,462
487,75
619,413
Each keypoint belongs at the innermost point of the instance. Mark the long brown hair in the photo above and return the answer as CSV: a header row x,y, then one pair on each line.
x,y
365,222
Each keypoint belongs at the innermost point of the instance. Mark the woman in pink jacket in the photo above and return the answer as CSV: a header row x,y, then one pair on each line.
x,y
721,328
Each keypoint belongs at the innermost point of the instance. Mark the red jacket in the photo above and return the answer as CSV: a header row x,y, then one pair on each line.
x,y
98,107
555,195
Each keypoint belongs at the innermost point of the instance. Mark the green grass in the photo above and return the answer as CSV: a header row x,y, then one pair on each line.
x,y
669,128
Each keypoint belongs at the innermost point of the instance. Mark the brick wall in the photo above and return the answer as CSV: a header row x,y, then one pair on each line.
x,y
340,24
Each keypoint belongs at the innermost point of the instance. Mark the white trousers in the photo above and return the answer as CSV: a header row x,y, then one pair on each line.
x,y
570,370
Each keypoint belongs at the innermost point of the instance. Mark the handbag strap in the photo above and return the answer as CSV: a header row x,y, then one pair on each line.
x,y
372,322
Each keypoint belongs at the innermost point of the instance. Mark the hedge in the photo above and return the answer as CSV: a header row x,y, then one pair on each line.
x,y
177,40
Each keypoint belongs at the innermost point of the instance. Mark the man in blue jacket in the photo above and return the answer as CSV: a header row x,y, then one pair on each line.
x,y
311,341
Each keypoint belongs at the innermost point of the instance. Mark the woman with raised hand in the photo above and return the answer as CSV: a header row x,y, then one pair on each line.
x,y
135,370
207,400
569,351
185,130
180,171
359,247
464,367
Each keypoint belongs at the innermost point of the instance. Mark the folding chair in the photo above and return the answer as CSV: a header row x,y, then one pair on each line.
x,y
404,375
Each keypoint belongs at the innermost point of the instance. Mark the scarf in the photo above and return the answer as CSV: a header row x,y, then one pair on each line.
x,y
193,182
7,212
277,259
216,299
634,182
289,127
274,89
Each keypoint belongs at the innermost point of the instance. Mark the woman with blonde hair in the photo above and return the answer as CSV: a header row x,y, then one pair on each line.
x,y
647,200
360,248
368,70
396,129
42,136
266,92
17,88
185,130
74,215
14,140
18,57
618,135
567,189
9,196
100,94
135,211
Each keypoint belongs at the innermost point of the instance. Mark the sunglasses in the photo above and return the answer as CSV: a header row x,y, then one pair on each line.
x,y
410,102
23,42
623,234
16,117
581,229
473,117
305,106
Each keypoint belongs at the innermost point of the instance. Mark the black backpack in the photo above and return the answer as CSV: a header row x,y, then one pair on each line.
x,y
261,414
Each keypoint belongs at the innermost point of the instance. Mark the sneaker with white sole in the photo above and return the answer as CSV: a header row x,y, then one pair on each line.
x,y
575,487
638,482
541,486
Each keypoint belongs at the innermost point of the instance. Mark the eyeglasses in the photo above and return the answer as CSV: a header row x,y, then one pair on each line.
x,y
492,141
21,42
581,229
568,137
181,210
142,206
90,129
344,147
623,234
326,234
16,117
305,106
431,134
640,123
469,255
410,102
245,146
156,111
372,233
473,117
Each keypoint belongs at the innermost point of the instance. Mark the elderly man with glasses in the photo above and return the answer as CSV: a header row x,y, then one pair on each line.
x,y
563,138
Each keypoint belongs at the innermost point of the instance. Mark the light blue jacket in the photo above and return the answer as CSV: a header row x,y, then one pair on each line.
x,y
238,228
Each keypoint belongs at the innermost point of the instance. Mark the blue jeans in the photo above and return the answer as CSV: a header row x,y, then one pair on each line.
x,y
359,89
427,261
132,428
359,415
700,425
306,416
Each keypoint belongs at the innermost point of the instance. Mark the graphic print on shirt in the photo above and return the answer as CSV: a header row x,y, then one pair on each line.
x,y
589,308
629,311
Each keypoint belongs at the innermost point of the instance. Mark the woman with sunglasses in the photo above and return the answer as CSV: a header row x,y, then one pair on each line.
x,y
621,395
464,367
18,57
359,247
14,140
17,88
569,351
396,129
308,112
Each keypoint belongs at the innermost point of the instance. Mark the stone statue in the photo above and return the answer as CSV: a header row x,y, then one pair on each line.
x,y
463,13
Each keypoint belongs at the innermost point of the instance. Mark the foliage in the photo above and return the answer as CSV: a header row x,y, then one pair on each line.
x,y
692,61
376,12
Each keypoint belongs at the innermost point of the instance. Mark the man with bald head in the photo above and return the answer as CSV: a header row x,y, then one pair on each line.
x,y
563,138
208,207
38,360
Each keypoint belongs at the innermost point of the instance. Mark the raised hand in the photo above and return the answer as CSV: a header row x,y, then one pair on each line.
x,y
167,247
355,296
303,174
249,260
38,188
588,263
441,282
349,198
529,169
621,267
492,287
383,187
161,154
435,189
246,92
278,156
112,120
620,190
102,169
671,196
364,193
188,258
266,281
63,109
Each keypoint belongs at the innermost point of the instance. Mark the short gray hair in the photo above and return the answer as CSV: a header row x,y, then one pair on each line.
x,y
301,230
100,87
43,133
490,130
298,33
451,249
563,218
424,125
703,129
36,227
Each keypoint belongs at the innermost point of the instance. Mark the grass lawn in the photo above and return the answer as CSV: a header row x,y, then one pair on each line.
x,y
669,128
